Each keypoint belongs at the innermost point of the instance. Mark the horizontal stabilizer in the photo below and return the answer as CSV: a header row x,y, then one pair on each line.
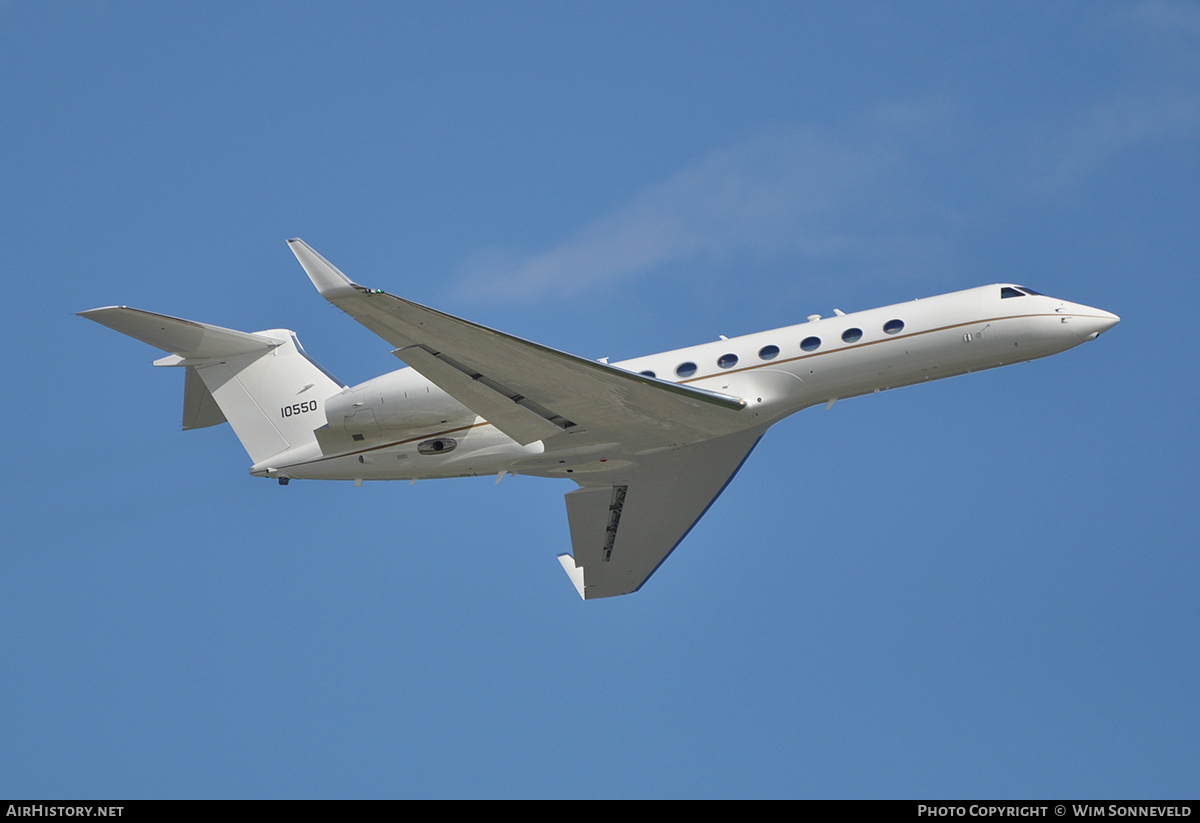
x,y
183,338
264,384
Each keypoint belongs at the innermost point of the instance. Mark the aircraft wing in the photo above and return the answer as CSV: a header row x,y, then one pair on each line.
x,y
621,533
527,390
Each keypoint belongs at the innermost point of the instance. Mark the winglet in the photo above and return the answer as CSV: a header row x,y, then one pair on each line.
x,y
323,274
574,572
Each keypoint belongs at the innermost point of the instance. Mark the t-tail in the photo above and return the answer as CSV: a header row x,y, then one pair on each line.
x,y
263,383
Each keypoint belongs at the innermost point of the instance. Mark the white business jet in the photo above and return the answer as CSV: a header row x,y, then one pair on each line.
x,y
651,441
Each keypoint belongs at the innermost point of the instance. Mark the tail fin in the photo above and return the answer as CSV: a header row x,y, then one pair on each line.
x,y
264,384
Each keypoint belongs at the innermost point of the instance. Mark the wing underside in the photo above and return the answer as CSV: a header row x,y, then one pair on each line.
x,y
621,533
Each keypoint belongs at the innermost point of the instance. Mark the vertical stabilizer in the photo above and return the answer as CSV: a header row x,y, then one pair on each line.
x,y
263,383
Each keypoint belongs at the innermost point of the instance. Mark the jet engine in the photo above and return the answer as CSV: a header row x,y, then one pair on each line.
x,y
390,404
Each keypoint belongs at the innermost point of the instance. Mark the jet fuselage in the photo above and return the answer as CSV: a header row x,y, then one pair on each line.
x,y
402,426
651,442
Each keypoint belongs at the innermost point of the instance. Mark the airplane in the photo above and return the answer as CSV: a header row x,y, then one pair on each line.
x,y
651,442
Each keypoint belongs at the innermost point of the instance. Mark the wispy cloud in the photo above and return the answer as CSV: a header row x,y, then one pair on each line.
x,y
1172,18
886,193
1159,101
1123,124
788,192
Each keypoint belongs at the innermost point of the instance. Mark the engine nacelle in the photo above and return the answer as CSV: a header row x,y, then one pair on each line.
x,y
391,403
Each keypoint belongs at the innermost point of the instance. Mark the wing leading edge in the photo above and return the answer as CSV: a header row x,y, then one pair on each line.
x,y
622,533
527,390
682,444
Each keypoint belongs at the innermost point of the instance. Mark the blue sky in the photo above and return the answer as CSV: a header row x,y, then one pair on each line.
x,y
980,587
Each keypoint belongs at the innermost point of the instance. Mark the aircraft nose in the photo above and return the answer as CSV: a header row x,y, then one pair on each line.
x,y
1097,322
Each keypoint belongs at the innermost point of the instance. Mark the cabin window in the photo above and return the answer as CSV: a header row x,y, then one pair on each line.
x,y
768,352
685,369
893,326
727,361
648,374
810,343
851,335
1009,291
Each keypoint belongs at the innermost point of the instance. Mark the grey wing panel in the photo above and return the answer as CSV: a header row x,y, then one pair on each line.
x,y
504,408
525,389
621,533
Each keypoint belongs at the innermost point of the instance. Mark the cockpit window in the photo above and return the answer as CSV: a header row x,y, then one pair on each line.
x,y
1028,290
1009,291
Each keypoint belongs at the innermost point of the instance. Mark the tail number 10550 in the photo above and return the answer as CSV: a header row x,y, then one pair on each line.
x,y
298,408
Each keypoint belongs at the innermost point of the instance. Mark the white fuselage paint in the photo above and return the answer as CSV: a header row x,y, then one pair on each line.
x,y
942,336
